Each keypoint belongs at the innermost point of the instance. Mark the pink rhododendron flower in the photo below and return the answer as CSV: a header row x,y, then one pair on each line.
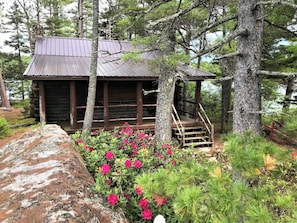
x,y
147,214
91,149
109,155
143,203
137,164
173,163
138,190
79,141
133,145
169,151
135,151
142,136
160,200
112,199
86,147
105,168
128,163
126,141
108,181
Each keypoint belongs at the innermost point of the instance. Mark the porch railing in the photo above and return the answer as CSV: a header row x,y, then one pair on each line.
x,y
178,124
206,122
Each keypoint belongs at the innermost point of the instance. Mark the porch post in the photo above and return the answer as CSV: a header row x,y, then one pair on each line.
x,y
73,111
139,103
197,98
42,108
105,103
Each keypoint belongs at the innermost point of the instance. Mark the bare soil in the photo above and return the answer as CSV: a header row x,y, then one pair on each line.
x,y
13,116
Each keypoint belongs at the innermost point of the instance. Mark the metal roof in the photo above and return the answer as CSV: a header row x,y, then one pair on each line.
x,y
70,58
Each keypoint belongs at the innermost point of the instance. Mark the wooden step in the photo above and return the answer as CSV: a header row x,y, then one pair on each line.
x,y
197,144
192,133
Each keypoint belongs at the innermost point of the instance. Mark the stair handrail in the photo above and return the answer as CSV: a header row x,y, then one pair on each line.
x,y
178,123
206,121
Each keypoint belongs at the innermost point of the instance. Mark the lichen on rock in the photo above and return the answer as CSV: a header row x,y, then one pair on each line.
x,y
44,179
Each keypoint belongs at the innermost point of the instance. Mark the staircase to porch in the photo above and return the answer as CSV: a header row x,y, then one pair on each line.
x,y
193,134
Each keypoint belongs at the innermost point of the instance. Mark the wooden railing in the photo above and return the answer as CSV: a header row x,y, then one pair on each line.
x,y
178,124
206,122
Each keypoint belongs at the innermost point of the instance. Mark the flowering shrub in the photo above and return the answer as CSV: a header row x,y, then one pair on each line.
x,y
115,159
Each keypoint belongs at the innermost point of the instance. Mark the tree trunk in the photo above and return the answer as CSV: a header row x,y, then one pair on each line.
x,y
289,92
227,66
88,118
80,32
166,86
247,82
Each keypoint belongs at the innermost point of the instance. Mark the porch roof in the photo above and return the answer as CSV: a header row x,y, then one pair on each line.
x,y
69,58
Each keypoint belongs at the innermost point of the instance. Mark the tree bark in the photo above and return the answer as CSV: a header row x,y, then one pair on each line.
x,y
88,118
289,93
247,82
166,86
163,131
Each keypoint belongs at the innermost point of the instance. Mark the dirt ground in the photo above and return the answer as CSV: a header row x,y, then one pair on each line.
x,y
12,116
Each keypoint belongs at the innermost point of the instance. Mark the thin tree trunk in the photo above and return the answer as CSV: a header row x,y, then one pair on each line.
x,y
289,92
88,118
80,31
5,100
247,82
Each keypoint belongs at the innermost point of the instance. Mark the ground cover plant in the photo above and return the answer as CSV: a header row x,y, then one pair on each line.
x,y
146,179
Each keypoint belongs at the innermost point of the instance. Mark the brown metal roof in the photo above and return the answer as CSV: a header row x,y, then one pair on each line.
x,y
69,58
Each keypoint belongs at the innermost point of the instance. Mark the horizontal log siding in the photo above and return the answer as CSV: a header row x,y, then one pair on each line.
x,y
57,98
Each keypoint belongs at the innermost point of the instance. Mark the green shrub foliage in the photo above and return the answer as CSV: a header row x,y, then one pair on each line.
x,y
146,179
4,128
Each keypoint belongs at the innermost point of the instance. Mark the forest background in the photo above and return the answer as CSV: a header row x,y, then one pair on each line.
x,y
206,26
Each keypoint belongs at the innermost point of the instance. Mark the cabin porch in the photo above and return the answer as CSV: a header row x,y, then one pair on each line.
x,y
118,102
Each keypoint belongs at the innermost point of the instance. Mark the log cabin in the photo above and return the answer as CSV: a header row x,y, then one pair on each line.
x,y
126,89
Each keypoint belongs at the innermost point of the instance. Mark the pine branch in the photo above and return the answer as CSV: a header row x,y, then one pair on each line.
x,y
222,42
280,27
277,74
217,23
177,14
228,55
275,2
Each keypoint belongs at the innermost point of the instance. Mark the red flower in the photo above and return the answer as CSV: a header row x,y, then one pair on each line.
x,y
108,181
143,203
128,163
91,149
126,141
173,163
135,151
112,199
109,155
133,145
169,151
147,214
159,200
138,190
105,168
142,136
79,141
137,164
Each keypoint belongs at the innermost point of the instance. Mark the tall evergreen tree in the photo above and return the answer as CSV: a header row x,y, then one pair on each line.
x,y
88,119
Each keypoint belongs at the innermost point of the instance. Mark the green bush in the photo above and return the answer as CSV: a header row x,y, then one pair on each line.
x,y
146,179
4,128
116,158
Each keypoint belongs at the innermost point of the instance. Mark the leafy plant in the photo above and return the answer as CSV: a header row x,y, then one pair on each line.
x,y
4,128
116,158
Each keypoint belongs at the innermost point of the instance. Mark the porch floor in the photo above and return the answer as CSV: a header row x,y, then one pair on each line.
x,y
148,125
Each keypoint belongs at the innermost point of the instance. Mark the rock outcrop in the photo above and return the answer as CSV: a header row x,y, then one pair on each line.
x,y
43,179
